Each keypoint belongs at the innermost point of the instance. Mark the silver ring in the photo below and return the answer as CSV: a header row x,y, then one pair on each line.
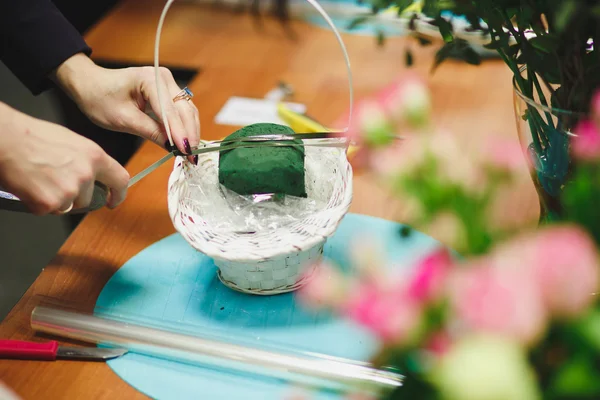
x,y
185,94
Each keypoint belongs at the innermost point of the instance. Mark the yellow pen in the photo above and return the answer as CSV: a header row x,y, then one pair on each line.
x,y
302,123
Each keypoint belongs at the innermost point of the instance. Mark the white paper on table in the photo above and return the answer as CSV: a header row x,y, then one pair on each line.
x,y
242,111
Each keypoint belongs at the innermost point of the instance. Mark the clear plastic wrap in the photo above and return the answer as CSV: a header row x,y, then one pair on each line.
x,y
226,211
212,349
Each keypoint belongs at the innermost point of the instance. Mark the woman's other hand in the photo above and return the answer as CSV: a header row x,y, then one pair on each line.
x,y
51,168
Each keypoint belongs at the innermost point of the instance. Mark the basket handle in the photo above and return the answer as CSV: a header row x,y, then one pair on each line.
x,y
314,3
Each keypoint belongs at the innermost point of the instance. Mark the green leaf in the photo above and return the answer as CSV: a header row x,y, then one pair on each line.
x,y
356,22
408,58
493,46
564,14
513,50
577,378
470,56
544,64
402,4
412,23
445,28
500,42
432,8
458,49
589,330
380,38
525,17
547,43
423,41
474,22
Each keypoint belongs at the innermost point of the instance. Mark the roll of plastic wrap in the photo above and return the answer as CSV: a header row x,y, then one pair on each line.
x,y
215,351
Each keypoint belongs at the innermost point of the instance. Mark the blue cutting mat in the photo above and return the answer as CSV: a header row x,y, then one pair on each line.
x,y
342,23
172,283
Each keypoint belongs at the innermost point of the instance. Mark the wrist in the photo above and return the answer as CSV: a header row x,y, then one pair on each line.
x,y
8,117
72,75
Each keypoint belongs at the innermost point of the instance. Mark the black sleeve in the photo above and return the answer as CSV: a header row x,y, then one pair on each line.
x,y
35,38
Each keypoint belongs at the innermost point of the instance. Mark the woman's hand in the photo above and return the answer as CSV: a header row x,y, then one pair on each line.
x,y
51,168
116,99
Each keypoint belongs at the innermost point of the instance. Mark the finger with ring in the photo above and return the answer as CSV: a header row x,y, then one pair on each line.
x,y
185,94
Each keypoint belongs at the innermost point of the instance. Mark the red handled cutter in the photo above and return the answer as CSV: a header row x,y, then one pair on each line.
x,y
51,351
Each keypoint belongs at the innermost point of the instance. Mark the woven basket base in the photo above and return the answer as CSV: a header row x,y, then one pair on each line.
x,y
262,278
268,292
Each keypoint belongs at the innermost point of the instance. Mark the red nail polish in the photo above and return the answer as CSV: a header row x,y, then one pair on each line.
x,y
196,159
186,146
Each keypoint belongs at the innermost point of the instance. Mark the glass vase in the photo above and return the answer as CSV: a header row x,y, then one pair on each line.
x,y
545,133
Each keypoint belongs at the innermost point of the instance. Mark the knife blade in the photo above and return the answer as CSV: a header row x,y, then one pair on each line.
x,y
52,351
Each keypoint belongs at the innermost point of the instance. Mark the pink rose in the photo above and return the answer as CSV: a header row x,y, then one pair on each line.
x,y
497,300
454,165
368,260
508,209
400,157
429,279
449,229
370,125
325,288
407,101
502,154
390,314
564,262
586,146
415,150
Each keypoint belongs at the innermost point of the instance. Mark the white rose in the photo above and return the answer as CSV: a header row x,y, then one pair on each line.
x,y
486,368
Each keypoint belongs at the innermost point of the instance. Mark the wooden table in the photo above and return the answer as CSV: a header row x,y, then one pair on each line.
x,y
236,59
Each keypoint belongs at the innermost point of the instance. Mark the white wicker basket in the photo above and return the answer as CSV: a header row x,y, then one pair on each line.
x,y
265,262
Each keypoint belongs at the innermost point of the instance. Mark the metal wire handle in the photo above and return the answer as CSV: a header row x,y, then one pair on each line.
x,y
161,95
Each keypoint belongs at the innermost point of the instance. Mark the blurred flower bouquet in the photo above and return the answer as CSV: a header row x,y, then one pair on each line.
x,y
514,316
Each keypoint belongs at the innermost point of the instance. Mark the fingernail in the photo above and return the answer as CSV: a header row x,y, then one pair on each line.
x,y
186,146
196,159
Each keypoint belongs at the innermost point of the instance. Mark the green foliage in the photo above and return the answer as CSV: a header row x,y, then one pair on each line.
x,y
457,49
409,58
558,53
437,195
580,199
380,38
357,22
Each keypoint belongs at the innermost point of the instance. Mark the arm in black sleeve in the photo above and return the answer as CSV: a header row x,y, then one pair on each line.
x,y
35,38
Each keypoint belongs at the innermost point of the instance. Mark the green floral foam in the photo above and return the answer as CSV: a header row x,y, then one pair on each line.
x,y
260,170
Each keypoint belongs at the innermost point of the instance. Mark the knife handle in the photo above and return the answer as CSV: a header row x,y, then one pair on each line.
x,y
22,350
